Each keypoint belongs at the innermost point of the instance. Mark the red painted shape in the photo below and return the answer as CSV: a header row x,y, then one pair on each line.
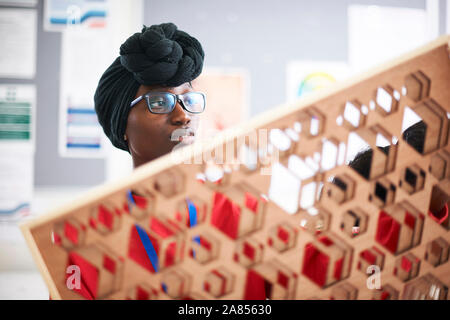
x,y
338,269
368,256
159,228
109,264
251,202
140,201
89,276
141,294
315,264
137,252
56,238
410,220
254,286
225,215
249,251
283,235
388,230
406,264
282,279
325,240
105,217
71,232
205,243
170,254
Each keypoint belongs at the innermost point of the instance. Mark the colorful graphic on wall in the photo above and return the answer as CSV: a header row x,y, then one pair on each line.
x,y
58,14
304,77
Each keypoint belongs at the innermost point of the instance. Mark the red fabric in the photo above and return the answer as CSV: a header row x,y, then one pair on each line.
x,y
325,240
282,279
109,264
89,276
338,269
254,286
410,220
141,294
170,254
384,295
136,250
93,223
105,217
283,235
251,202
205,243
406,264
158,227
368,256
315,264
225,215
140,201
56,238
249,251
71,232
388,230
440,216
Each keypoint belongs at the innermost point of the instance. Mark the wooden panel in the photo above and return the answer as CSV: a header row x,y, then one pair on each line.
x,y
291,219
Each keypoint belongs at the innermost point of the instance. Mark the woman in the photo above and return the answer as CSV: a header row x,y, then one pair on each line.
x,y
145,101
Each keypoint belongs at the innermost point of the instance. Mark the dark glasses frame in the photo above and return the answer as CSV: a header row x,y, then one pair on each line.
x,y
177,98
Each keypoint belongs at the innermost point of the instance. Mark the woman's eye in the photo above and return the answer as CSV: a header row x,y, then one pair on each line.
x,y
157,104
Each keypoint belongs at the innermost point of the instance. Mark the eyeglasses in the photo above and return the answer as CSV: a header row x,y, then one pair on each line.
x,y
164,102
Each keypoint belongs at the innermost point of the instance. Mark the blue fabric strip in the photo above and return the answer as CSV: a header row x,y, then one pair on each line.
x,y
147,243
130,198
192,213
192,220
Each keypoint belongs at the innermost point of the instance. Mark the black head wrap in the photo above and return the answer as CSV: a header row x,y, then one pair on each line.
x,y
158,55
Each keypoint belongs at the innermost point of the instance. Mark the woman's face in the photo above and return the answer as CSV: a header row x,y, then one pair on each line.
x,y
150,135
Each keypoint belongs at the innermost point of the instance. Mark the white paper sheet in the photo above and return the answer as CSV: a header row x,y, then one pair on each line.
x,y
18,37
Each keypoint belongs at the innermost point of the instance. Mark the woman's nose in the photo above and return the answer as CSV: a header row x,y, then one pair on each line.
x,y
179,117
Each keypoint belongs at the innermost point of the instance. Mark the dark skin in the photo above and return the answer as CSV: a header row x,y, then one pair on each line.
x,y
149,135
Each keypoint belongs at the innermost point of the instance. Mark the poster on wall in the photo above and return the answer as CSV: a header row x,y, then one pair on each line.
x,y
227,99
377,34
304,77
18,33
86,54
17,127
59,14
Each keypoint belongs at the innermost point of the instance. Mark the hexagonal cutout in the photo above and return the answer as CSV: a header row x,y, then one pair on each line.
x,y
354,222
282,237
412,179
204,248
438,210
105,218
407,267
248,252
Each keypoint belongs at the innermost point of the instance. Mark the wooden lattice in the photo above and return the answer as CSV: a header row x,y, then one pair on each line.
x,y
291,220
